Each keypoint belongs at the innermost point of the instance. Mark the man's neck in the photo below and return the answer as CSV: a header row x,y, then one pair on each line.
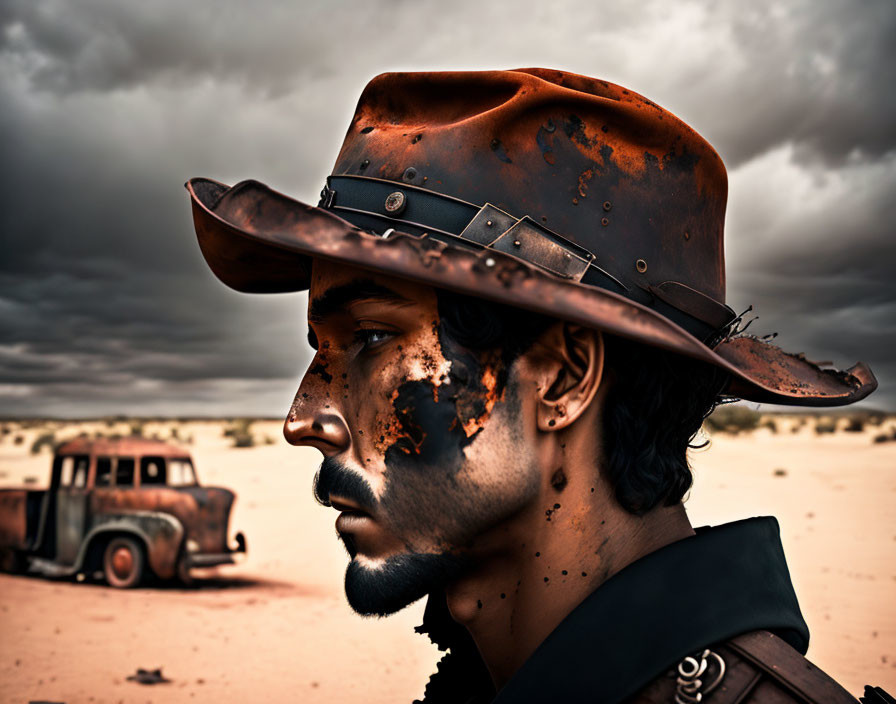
x,y
534,570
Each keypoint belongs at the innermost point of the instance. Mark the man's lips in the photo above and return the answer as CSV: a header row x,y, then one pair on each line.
x,y
347,507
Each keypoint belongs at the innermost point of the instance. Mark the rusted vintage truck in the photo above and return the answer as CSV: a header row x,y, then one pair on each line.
x,y
128,508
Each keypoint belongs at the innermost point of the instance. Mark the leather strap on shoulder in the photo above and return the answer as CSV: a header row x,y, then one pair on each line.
x,y
787,669
754,668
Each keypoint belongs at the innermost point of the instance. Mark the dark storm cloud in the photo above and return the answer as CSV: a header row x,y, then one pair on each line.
x,y
107,107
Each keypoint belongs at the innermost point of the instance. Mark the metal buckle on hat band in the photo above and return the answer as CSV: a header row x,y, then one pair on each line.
x,y
524,238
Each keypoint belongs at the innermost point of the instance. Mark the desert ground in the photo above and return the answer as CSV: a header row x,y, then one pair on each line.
x,y
276,627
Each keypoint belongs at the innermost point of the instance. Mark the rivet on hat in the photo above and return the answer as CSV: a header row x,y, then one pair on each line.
x,y
687,235
517,243
604,222
607,205
641,266
395,203
409,174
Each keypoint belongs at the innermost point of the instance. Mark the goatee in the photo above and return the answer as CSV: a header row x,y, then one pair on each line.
x,y
399,581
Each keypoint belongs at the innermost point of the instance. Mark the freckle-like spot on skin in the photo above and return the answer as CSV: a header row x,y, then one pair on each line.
x,y
552,422
584,574
556,506
558,480
602,522
546,580
592,490
478,604
304,395
538,554
564,572
320,369
503,595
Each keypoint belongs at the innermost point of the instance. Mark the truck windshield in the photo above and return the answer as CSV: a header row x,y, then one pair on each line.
x,y
158,471
180,473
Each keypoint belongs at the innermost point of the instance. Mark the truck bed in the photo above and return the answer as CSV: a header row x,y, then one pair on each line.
x,y
20,511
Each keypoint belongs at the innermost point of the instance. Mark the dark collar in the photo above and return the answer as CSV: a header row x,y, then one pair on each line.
x,y
720,583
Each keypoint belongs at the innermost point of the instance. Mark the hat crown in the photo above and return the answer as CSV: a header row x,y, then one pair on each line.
x,y
601,165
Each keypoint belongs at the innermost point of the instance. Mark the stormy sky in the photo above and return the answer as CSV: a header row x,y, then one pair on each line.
x,y
107,107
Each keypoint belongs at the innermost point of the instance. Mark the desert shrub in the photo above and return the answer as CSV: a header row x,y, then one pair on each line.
x,y
889,436
240,431
780,472
136,428
769,424
854,424
876,418
4,430
18,440
243,440
175,433
42,441
825,426
732,419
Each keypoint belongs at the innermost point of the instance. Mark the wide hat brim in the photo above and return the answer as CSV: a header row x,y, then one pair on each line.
x,y
257,240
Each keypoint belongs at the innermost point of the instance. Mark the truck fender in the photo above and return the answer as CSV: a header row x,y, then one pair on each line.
x,y
161,533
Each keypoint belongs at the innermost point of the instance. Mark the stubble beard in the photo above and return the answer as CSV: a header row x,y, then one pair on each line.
x,y
399,580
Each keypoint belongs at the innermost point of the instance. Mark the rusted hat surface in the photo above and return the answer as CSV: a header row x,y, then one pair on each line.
x,y
542,189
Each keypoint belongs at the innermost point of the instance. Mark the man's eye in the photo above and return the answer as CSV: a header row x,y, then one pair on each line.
x,y
370,338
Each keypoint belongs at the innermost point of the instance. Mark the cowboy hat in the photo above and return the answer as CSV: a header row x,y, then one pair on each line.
x,y
541,189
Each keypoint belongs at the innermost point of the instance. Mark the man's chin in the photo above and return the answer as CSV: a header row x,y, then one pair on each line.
x,y
398,581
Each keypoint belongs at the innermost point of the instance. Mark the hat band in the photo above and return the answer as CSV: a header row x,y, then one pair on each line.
x,y
382,206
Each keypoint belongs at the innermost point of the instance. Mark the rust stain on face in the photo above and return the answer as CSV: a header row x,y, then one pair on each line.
x,y
475,407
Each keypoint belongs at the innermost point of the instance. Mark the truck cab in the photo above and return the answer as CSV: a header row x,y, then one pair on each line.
x,y
126,507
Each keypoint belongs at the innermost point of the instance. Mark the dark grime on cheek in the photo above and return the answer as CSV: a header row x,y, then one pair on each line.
x,y
436,420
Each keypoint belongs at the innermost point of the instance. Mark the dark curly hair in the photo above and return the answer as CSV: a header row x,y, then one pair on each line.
x,y
656,403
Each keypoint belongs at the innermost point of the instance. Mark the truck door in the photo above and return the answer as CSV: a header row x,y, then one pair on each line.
x,y
71,508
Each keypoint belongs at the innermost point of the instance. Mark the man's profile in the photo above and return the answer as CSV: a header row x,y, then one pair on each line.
x,y
516,300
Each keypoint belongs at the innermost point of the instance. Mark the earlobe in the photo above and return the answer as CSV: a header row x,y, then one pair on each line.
x,y
576,373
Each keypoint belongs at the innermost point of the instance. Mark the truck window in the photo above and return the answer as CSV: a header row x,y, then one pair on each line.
x,y
103,471
180,473
79,477
66,471
72,470
152,471
124,471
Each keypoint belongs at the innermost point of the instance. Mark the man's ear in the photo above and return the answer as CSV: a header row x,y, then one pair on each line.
x,y
574,357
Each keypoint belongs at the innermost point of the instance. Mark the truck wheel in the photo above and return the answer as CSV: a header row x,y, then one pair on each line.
x,y
123,562
183,572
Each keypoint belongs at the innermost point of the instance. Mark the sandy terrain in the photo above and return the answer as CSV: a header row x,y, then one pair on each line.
x,y
276,628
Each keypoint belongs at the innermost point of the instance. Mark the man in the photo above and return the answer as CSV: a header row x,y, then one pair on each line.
x,y
516,298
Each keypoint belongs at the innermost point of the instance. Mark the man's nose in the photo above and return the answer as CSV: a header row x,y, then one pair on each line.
x,y
309,423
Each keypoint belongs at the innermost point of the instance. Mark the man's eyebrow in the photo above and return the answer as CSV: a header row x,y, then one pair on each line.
x,y
338,298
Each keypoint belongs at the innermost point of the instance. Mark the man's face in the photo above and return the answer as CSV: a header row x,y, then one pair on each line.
x,y
427,445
